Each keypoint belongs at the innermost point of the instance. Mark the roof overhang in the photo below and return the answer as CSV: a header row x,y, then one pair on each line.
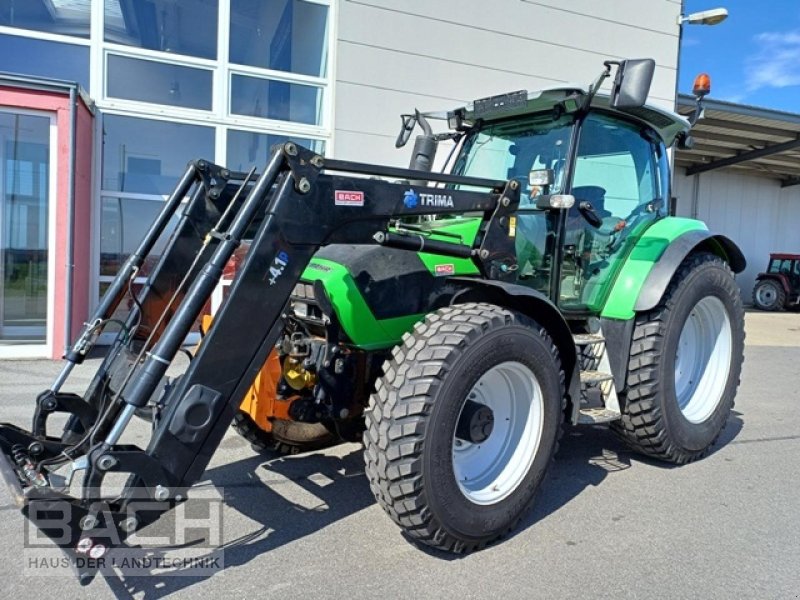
x,y
60,86
746,138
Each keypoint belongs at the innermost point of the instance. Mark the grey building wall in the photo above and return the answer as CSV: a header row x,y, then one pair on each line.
x,y
755,212
394,56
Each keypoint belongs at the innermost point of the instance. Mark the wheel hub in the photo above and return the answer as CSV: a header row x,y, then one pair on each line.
x,y
498,433
766,295
703,359
476,423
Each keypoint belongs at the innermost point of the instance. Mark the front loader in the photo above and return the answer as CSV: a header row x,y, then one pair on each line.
x,y
454,321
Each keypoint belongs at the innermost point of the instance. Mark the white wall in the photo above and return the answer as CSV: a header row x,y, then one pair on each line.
x,y
755,212
394,56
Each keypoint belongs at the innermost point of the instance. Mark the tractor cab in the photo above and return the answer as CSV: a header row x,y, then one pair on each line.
x,y
613,163
603,158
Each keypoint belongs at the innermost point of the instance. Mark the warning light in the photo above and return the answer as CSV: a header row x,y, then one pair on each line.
x,y
702,85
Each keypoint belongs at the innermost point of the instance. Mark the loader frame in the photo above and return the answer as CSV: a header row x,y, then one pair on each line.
x,y
299,203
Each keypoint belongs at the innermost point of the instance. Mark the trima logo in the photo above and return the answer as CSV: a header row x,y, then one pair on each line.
x,y
412,199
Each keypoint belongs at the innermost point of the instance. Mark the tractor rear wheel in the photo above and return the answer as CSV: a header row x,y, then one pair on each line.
x,y
685,362
463,425
768,294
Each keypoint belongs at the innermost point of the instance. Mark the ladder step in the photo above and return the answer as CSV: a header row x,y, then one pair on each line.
x,y
587,339
592,416
592,377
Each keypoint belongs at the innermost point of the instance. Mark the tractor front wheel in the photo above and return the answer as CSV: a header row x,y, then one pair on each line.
x,y
768,294
685,362
463,425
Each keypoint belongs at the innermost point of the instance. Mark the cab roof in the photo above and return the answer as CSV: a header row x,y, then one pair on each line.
x,y
666,123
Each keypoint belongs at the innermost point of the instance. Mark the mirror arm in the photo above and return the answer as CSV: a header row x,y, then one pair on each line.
x,y
594,87
698,112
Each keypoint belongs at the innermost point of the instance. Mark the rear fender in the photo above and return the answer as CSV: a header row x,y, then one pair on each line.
x,y
654,259
661,274
538,307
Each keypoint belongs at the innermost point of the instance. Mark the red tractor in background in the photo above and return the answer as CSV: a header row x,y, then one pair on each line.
x,y
779,287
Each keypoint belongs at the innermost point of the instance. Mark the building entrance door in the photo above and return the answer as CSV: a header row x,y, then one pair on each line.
x,y
26,186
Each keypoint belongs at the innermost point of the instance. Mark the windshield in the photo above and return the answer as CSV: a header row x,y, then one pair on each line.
x,y
511,149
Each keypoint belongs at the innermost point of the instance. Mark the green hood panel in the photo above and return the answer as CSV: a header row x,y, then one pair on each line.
x,y
648,250
365,328
357,320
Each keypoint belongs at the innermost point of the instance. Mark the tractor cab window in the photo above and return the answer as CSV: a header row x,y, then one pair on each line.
x,y
510,150
619,185
779,265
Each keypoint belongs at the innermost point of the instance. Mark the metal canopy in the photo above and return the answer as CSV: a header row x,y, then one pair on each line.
x,y
746,138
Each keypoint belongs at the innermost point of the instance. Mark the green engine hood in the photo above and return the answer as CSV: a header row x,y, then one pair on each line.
x,y
379,293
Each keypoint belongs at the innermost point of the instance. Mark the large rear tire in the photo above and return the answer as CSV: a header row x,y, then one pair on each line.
x,y
463,425
685,363
769,295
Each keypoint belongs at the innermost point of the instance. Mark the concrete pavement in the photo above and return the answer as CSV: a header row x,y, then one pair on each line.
x,y
607,522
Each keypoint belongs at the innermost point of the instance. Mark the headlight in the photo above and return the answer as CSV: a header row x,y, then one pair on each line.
x,y
303,290
300,309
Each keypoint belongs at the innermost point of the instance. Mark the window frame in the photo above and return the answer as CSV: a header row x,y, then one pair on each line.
x,y
219,117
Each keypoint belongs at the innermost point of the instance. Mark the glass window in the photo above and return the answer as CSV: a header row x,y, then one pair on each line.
x,y
614,168
123,224
511,150
146,156
246,149
40,58
24,205
160,83
65,17
177,26
276,100
285,35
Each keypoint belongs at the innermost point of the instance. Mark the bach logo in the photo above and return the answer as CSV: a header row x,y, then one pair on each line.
x,y
348,198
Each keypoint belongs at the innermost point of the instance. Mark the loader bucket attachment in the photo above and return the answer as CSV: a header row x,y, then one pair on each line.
x,y
287,212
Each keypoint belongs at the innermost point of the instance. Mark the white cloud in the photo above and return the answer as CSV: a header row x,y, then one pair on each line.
x,y
776,63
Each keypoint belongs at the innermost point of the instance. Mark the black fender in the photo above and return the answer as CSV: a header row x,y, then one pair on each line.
x,y
662,272
537,306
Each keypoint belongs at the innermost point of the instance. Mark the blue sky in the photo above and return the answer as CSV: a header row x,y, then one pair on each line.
x,y
753,57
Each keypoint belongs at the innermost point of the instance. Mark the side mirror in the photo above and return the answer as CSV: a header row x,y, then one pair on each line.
x,y
541,177
548,201
632,83
409,122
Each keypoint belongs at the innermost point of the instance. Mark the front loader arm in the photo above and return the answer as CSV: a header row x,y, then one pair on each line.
x,y
299,203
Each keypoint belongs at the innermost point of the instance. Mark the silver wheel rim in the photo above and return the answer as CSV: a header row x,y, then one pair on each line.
x,y
766,295
489,471
703,359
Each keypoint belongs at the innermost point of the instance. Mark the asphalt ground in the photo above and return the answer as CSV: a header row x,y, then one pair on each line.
x,y
607,523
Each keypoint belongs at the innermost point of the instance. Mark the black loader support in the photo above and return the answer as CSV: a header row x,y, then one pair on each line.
x,y
299,203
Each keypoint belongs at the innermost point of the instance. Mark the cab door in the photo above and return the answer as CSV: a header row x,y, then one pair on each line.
x,y
621,184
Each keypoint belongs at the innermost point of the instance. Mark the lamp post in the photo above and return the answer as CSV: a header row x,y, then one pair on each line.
x,y
713,16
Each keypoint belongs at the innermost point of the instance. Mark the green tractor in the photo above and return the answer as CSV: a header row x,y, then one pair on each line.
x,y
614,313
453,321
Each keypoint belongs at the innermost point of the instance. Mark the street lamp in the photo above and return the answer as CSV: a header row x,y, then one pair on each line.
x,y
712,16
706,17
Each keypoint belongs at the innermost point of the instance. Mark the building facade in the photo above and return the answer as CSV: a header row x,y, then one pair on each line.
x,y
166,81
